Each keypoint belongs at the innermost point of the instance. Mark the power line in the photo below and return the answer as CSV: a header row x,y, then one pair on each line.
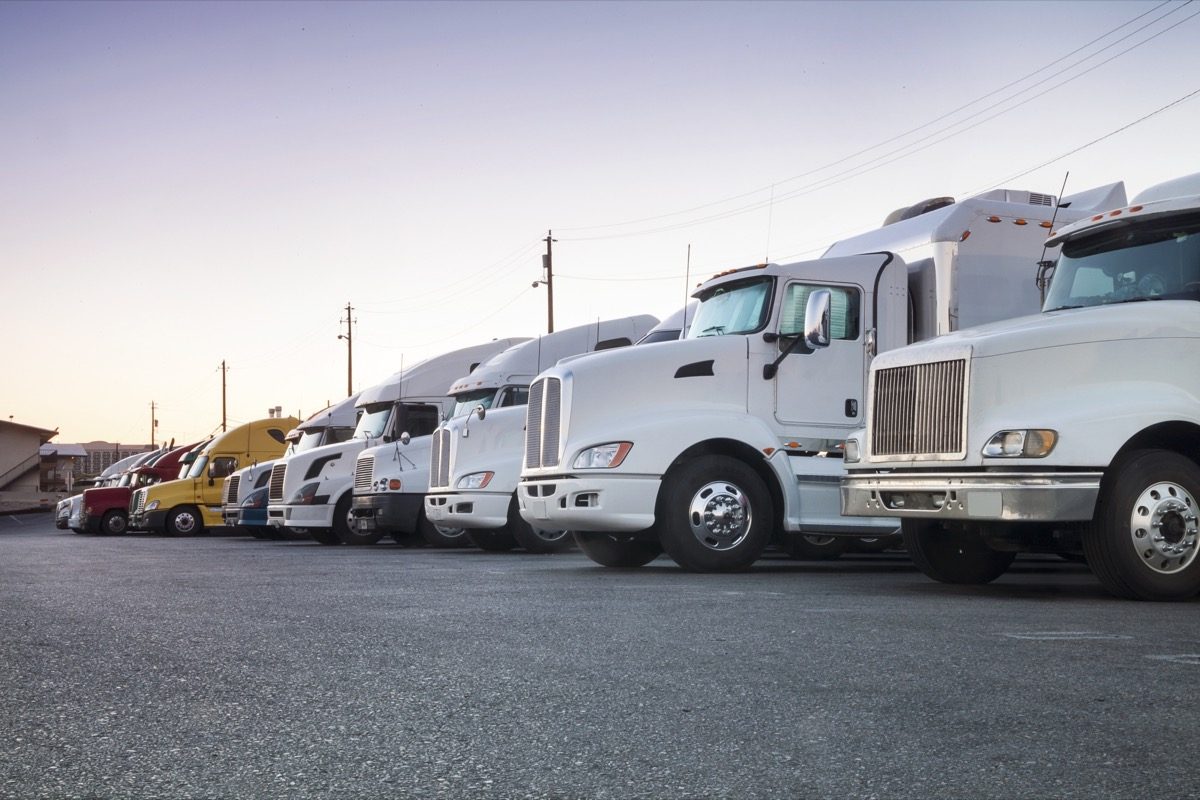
x,y
912,147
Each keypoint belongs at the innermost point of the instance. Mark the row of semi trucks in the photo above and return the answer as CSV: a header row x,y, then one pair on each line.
x,y
903,384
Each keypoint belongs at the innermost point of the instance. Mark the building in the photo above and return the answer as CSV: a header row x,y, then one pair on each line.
x,y
102,455
60,466
19,457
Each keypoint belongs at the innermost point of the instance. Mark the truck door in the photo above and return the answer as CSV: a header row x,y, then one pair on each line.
x,y
823,388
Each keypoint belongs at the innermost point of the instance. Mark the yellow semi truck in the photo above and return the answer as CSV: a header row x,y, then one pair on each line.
x,y
193,503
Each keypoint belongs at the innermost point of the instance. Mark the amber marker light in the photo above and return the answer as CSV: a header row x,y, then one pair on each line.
x,y
993,219
1019,222
965,235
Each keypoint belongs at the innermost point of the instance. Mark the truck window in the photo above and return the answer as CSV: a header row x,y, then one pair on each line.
x,y
373,421
222,466
843,310
732,308
466,402
1149,259
420,420
514,396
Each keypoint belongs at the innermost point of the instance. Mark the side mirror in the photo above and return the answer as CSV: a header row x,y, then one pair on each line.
x,y
816,319
405,438
480,412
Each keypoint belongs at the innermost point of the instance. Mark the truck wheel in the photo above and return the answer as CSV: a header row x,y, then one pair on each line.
x,y
612,550
184,521
439,536
114,522
495,540
876,544
715,515
346,530
953,556
1143,540
814,547
536,540
327,536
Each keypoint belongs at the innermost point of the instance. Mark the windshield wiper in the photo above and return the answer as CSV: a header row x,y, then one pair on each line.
x,y
717,329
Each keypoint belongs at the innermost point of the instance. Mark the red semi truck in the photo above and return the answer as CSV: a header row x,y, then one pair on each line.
x,y
106,509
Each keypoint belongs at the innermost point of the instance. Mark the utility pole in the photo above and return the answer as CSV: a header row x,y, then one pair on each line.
x,y
548,266
224,369
348,336
153,424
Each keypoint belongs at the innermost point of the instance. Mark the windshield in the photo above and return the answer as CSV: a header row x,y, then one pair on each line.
x,y
309,439
466,402
197,468
374,421
739,307
1129,261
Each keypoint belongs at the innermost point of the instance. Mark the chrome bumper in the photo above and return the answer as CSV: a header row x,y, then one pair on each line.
x,y
1015,496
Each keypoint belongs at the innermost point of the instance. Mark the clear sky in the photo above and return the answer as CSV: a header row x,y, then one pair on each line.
x,y
186,183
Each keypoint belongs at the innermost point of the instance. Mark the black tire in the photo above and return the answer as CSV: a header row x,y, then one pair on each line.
x,y
714,515
114,522
958,556
1143,542
184,521
613,550
536,540
437,536
326,536
816,547
493,540
347,533
261,531
878,544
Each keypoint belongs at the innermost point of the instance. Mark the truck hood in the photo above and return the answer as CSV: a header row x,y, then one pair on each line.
x,y
1152,319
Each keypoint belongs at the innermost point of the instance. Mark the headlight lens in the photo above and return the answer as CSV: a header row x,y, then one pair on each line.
x,y
603,456
851,454
1032,443
305,496
153,504
476,480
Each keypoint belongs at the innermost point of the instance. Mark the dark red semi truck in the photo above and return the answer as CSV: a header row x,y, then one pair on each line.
x,y
106,509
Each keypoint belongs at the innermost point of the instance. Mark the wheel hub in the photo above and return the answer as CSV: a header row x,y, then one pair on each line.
x,y
550,537
1163,527
720,516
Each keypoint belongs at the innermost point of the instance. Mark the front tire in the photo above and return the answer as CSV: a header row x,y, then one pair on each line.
x,y
536,540
1143,542
715,515
953,556
184,521
114,522
610,550
494,540
816,547
439,536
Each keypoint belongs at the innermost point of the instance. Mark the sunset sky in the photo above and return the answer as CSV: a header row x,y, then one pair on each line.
x,y
186,183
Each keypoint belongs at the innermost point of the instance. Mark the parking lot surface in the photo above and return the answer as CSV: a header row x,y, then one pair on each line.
x,y
221,666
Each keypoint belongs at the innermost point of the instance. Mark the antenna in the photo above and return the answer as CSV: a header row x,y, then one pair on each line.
x,y
687,278
1045,270
770,218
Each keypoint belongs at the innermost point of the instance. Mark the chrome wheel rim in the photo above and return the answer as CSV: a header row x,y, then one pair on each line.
x,y
1162,527
720,516
450,533
550,537
822,541
115,526
185,522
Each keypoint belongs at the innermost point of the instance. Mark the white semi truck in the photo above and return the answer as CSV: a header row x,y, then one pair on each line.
x,y
475,457
709,446
313,489
1077,429
328,426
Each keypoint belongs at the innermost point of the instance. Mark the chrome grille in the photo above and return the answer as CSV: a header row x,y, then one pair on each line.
x,y
231,488
1036,199
363,468
919,409
139,501
275,492
542,422
439,458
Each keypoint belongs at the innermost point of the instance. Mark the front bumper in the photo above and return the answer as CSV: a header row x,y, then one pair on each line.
x,y
601,503
474,510
149,520
1010,496
310,516
389,512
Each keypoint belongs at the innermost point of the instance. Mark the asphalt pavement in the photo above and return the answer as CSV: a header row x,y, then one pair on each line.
x,y
221,666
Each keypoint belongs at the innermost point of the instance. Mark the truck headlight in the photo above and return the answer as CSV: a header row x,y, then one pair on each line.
x,y
1033,443
153,504
851,454
388,484
305,496
476,480
603,456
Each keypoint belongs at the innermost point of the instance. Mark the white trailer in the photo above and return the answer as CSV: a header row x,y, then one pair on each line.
x,y
1075,430
313,489
328,426
475,457
707,447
